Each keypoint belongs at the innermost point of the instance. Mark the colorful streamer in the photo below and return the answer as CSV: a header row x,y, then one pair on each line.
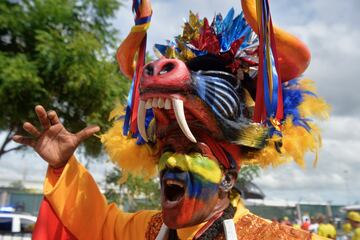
x,y
138,32
269,103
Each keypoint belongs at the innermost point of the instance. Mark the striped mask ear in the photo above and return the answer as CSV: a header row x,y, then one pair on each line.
x,y
218,90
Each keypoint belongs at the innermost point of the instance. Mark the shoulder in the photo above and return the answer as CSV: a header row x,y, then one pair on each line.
x,y
154,226
251,227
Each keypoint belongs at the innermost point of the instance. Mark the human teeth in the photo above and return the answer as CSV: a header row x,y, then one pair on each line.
x,y
154,103
180,117
141,120
148,104
161,103
167,104
173,182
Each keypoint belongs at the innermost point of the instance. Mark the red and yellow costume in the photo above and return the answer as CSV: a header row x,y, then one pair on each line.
x,y
77,201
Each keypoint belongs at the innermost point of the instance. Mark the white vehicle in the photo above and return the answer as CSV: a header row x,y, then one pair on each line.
x,y
16,226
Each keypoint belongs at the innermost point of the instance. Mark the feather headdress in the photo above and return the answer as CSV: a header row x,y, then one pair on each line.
x,y
249,44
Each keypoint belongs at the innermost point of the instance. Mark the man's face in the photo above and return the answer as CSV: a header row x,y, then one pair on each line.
x,y
190,178
354,224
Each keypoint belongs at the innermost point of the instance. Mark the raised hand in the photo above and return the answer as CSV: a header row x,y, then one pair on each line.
x,y
54,143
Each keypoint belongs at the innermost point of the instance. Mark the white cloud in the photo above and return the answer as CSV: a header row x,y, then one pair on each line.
x,y
335,176
328,27
330,30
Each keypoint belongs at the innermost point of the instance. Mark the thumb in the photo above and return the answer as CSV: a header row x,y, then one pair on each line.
x,y
86,133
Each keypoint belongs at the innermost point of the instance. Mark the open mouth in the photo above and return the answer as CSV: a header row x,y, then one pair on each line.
x,y
173,193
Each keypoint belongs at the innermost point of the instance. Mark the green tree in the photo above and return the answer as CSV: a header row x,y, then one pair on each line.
x,y
58,53
245,185
134,194
18,185
248,173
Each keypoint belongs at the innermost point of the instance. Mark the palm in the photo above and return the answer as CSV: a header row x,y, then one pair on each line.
x,y
54,144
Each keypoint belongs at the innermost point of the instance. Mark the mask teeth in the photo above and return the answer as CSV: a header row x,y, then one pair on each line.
x,y
167,104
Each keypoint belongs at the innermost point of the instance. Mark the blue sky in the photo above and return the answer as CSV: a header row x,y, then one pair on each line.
x,y
330,29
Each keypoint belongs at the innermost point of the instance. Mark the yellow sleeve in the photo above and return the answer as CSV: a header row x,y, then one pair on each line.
x,y
356,235
81,207
317,237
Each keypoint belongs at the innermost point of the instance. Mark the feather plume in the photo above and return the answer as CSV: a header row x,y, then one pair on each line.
x,y
299,135
140,160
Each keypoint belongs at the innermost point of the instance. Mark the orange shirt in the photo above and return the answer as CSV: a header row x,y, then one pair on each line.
x,y
84,211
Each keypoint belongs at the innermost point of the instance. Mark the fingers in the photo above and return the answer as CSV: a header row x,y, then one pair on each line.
x,y
24,140
43,117
31,129
53,117
87,132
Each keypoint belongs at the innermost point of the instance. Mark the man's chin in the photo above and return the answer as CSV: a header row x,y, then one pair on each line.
x,y
171,222
176,221
185,214
173,215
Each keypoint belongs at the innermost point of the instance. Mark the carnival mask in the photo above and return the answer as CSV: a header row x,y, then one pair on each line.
x,y
218,95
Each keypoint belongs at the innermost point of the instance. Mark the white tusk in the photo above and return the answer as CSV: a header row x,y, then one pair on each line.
x,y
141,120
167,104
180,117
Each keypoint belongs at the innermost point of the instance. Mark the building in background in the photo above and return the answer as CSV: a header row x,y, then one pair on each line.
x,y
22,200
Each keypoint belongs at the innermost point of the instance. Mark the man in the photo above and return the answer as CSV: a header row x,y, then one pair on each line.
x,y
195,114
354,220
326,228
314,226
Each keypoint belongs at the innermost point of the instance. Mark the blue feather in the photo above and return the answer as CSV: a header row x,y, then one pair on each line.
x,y
218,24
228,19
136,5
148,118
229,30
161,48
126,126
293,96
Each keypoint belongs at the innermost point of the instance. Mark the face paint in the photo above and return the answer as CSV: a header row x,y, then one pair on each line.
x,y
189,187
195,163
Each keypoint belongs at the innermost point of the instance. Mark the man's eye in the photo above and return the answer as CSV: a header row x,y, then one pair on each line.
x,y
193,149
168,148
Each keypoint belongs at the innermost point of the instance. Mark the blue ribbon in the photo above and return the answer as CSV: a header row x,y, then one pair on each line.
x,y
143,20
136,5
271,99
